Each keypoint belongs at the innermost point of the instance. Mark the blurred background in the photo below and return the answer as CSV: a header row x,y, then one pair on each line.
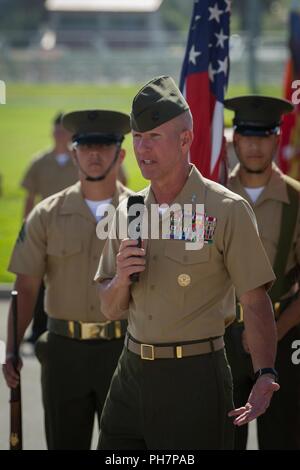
x,y
62,55
125,41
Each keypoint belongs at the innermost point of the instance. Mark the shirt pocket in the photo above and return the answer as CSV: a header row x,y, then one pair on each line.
x,y
64,248
179,269
177,252
64,258
186,271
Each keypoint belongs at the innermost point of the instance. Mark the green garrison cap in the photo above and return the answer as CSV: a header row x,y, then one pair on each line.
x,y
257,115
157,102
97,126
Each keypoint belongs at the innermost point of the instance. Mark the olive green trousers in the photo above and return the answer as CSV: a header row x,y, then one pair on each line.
x,y
168,404
75,379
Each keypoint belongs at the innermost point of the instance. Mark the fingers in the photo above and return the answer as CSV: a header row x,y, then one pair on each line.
x,y
244,414
133,269
250,414
257,405
128,248
275,387
238,411
130,251
12,377
128,242
130,260
244,418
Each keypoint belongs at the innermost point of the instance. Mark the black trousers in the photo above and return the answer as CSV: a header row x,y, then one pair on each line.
x,y
168,404
279,427
75,379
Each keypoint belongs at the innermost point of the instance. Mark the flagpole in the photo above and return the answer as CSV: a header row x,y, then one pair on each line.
x,y
254,21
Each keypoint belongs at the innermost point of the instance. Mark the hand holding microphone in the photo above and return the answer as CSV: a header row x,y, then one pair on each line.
x,y
131,257
135,212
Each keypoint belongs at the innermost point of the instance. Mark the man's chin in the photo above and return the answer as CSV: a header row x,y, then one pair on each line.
x,y
254,171
146,173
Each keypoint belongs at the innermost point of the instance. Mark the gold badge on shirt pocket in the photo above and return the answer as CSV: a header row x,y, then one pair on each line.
x,y
184,280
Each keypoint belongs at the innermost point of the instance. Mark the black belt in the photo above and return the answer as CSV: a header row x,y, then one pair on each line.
x,y
86,331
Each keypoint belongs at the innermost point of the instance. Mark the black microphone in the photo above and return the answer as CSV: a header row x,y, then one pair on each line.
x,y
135,211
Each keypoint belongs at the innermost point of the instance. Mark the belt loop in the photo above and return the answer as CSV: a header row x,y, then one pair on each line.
x,y
212,346
178,352
126,340
276,310
77,330
240,313
118,332
71,328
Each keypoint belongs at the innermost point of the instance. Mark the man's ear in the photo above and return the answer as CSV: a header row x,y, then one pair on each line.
x,y
122,155
235,139
187,138
74,155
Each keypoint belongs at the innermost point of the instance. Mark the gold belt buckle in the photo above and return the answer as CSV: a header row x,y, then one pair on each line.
x,y
93,330
143,352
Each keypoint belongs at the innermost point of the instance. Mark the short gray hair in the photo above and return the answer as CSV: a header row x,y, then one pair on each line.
x,y
184,122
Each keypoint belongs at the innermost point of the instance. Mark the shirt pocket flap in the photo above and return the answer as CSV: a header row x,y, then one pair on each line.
x,y
177,251
63,248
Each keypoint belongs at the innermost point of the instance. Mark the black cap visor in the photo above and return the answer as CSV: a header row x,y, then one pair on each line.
x,y
97,138
254,131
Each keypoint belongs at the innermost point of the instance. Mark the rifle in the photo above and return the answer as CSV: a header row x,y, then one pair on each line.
x,y
15,440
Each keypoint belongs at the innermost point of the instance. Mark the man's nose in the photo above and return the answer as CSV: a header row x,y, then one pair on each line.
x,y
94,151
143,145
254,144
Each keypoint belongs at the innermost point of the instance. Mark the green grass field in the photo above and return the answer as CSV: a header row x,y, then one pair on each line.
x,y
25,130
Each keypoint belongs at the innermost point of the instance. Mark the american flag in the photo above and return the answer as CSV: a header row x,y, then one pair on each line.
x,y
289,150
204,79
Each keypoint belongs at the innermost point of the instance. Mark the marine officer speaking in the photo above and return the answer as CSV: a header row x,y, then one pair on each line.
x,y
58,241
173,388
274,198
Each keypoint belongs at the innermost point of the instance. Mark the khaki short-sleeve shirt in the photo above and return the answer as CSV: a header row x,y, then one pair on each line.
x,y
268,212
59,242
185,295
45,176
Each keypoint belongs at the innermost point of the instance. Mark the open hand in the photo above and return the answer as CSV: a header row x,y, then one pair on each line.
x,y
258,401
